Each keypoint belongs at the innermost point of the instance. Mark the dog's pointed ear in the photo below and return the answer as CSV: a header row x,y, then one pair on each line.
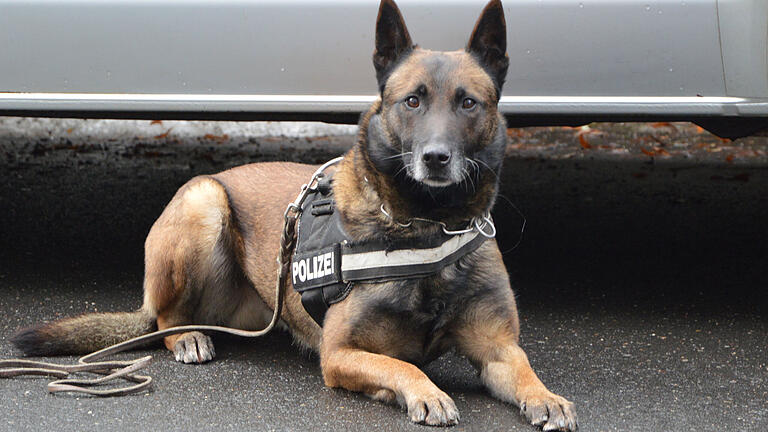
x,y
488,42
392,40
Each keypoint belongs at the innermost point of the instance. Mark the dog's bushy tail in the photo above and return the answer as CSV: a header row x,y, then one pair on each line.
x,y
83,334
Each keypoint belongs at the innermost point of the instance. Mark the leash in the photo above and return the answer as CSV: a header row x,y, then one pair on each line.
x,y
125,369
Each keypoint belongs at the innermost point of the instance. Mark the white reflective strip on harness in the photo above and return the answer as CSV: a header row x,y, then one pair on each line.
x,y
405,257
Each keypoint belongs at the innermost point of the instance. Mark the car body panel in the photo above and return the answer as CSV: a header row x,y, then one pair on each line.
x,y
598,59
744,36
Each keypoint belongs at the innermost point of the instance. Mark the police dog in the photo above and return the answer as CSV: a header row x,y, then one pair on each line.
x,y
431,147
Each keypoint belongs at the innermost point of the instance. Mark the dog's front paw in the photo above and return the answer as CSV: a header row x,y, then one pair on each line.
x,y
194,347
432,407
552,412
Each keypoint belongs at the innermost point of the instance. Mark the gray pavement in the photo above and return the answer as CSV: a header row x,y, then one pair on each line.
x,y
639,278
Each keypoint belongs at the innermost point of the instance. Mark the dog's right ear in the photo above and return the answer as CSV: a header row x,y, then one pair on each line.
x,y
392,41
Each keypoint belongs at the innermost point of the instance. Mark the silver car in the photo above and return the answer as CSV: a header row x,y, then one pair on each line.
x,y
571,61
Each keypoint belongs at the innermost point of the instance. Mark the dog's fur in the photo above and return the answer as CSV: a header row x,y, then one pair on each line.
x,y
210,257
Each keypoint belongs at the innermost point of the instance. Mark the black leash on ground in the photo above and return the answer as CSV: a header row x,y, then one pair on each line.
x,y
125,369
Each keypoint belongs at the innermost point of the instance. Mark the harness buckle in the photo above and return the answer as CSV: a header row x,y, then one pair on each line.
x,y
322,207
295,206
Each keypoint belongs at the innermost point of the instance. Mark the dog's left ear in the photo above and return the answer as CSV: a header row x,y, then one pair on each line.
x,y
392,40
488,43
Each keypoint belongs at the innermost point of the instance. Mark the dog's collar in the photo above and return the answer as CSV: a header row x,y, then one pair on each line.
x,y
478,223
327,262
481,224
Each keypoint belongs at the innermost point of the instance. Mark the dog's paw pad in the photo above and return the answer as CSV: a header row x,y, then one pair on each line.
x,y
551,412
434,408
194,347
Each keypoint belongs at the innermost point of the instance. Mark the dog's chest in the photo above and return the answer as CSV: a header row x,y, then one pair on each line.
x,y
411,319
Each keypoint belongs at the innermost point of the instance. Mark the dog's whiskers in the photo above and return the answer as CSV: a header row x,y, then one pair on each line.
x,y
468,177
487,166
404,167
476,170
399,155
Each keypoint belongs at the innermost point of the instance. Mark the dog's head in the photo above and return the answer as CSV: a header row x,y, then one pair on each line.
x,y
438,125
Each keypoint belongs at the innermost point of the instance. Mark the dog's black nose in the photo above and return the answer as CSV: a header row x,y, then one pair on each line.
x,y
436,157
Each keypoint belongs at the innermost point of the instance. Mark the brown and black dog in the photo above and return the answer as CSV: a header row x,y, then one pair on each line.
x,y
430,148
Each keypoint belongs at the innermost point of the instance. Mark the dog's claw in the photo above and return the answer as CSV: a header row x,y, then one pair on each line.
x,y
552,413
434,409
194,347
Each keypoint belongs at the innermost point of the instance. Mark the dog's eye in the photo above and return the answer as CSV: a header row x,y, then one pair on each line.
x,y
468,103
412,102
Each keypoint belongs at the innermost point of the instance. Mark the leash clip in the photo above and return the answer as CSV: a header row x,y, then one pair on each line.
x,y
295,206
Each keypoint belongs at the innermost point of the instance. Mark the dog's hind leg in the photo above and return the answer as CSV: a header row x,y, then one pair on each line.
x,y
191,271
190,347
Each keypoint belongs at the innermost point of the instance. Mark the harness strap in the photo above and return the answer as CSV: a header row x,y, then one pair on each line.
x,y
361,263
328,262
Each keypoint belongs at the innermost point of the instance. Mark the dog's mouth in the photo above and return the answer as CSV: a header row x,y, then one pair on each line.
x,y
405,165
451,174
437,181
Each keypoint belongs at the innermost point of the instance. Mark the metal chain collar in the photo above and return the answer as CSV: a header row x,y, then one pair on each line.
x,y
476,223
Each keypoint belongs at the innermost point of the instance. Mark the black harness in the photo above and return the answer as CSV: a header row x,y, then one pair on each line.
x,y
326,262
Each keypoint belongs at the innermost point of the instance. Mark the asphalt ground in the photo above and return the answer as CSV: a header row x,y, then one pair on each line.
x,y
640,277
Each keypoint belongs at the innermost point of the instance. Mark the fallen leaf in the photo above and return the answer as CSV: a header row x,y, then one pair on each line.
x,y
586,130
153,122
217,138
729,158
662,124
163,135
583,142
648,152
